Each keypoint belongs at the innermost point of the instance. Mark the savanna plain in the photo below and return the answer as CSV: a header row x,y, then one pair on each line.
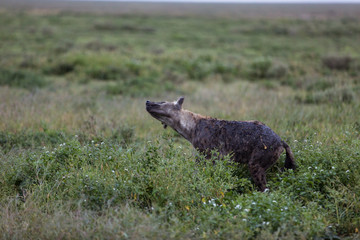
x,y
80,158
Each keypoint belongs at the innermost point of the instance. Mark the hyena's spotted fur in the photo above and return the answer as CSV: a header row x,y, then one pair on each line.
x,y
249,142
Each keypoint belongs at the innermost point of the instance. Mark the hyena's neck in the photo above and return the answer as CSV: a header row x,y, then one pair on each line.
x,y
187,124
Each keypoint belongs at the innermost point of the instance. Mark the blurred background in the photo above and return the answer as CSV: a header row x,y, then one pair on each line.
x,y
65,62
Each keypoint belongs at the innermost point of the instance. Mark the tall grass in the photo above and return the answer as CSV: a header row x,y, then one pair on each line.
x,y
80,157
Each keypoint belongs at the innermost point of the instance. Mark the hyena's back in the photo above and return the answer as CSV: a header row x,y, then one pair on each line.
x,y
249,142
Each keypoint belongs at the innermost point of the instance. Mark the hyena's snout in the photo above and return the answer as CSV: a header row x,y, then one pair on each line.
x,y
157,112
155,109
151,105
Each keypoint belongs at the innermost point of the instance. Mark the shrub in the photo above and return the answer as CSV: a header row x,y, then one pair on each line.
x,y
105,26
227,71
277,70
60,68
123,69
259,68
104,72
318,84
30,139
331,95
21,79
98,45
161,180
71,171
108,26
337,62
140,86
196,70
63,46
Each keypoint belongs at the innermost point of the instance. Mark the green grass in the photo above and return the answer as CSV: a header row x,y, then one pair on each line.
x,y
81,158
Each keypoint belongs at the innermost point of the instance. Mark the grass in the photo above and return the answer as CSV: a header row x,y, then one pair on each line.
x,y
80,157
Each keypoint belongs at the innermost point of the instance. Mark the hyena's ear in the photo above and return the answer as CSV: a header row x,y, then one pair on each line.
x,y
180,102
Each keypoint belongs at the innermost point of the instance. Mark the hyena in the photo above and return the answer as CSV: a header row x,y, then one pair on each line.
x,y
249,142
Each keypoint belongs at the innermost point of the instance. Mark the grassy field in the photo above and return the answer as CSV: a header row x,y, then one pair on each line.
x,y
80,158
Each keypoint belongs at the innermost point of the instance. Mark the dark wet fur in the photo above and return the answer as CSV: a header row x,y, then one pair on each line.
x,y
251,143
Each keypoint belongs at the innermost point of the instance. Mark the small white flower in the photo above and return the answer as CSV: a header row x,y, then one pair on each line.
x,y
295,140
114,189
76,136
266,190
244,220
126,169
347,171
238,207
274,201
92,141
253,203
113,171
332,167
247,210
109,157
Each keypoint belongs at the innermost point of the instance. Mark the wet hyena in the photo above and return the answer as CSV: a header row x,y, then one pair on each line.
x,y
249,142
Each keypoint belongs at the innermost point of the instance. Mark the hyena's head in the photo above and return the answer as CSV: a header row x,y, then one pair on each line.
x,y
168,113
